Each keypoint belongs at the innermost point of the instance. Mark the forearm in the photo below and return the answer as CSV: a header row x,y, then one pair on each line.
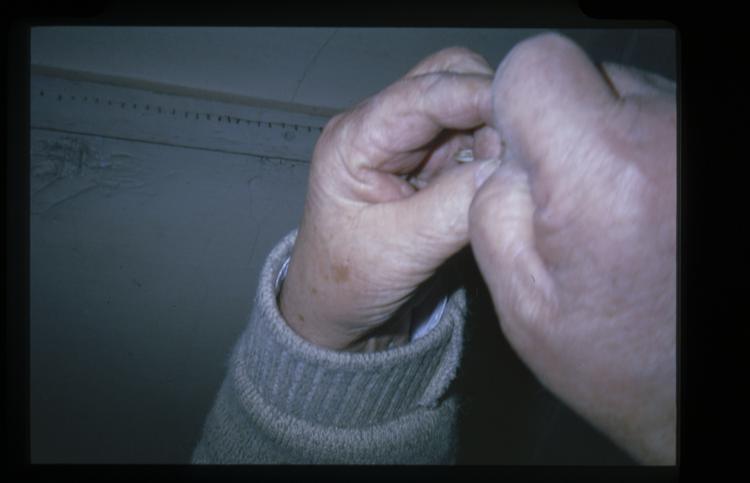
x,y
285,400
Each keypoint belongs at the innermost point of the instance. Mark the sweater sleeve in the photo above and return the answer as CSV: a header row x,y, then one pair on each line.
x,y
285,400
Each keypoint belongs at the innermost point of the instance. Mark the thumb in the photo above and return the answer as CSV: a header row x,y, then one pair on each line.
x,y
547,95
434,222
501,219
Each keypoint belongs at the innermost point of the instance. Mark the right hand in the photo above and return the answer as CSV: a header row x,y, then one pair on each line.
x,y
575,235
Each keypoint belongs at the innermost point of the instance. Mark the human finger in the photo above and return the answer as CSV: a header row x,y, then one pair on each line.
x,y
434,220
452,59
392,130
547,97
501,229
630,81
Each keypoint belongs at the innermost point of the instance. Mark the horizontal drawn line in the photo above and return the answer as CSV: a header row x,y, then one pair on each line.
x,y
176,90
173,145
207,116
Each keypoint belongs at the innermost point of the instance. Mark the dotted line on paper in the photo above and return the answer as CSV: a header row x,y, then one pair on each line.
x,y
183,114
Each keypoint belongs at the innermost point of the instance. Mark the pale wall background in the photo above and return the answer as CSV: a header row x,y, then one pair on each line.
x,y
328,67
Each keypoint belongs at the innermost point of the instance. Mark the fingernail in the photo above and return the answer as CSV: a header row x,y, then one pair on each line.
x,y
465,156
485,170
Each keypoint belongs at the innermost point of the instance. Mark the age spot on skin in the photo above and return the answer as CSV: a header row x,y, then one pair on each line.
x,y
340,273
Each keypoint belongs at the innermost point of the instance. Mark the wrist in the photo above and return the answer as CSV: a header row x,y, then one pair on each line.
x,y
299,316
299,303
317,331
313,311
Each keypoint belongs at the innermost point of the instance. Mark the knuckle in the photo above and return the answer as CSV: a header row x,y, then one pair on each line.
x,y
542,45
333,123
466,59
452,58
457,52
338,130
530,77
534,56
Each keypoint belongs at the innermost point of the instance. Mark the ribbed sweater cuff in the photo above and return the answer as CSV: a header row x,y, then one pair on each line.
x,y
342,389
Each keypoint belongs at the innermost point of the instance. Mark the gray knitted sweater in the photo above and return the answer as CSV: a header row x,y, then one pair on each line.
x,y
285,400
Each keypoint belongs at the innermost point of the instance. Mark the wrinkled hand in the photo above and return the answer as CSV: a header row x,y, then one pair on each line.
x,y
575,235
387,202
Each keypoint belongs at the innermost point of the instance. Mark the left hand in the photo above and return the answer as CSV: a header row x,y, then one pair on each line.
x,y
387,202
